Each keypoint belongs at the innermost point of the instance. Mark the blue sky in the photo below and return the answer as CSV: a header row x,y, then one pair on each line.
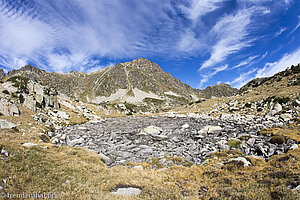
x,y
200,42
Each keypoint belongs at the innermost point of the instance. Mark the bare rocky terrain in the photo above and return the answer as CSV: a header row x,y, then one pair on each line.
x,y
139,139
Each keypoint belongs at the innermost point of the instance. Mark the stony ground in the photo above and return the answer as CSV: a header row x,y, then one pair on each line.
x,y
139,139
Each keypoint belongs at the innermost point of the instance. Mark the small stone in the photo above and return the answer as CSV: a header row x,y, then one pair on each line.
x,y
129,191
4,152
161,136
82,128
251,142
296,188
139,167
55,140
294,146
185,126
29,144
105,158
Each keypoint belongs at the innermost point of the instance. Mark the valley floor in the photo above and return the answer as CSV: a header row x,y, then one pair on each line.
x,y
77,173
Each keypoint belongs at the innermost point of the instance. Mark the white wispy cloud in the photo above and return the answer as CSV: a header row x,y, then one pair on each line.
x,y
297,26
242,79
197,8
63,35
96,66
12,62
283,29
245,62
285,61
207,76
231,32
266,11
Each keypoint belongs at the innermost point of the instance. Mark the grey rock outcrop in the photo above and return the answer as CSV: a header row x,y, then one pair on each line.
x,y
2,74
8,107
29,93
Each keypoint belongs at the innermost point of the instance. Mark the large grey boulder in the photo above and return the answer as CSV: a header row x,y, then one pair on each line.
x,y
275,109
151,130
210,129
8,107
4,124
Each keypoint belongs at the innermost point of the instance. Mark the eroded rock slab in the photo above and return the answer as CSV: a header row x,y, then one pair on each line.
x,y
120,139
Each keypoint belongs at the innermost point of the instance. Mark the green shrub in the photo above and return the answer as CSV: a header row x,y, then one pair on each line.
x,y
280,100
234,143
277,139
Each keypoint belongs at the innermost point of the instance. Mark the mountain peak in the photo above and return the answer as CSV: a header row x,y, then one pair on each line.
x,y
141,60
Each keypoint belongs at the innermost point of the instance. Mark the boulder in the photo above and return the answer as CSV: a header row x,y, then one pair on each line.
x,y
185,126
251,142
211,129
62,115
245,162
286,116
77,141
8,107
222,145
152,130
4,124
294,146
276,109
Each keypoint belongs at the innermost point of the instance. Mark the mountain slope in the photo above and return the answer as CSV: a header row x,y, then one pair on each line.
x,y
291,75
131,81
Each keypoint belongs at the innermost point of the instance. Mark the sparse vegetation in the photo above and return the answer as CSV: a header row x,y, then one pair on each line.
x,y
154,101
234,143
20,82
280,100
277,139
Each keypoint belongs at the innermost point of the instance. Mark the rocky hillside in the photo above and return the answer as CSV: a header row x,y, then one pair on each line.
x,y
292,74
2,74
134,81
219,90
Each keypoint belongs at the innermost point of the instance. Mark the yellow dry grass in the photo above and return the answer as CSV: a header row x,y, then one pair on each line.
x,y
77,173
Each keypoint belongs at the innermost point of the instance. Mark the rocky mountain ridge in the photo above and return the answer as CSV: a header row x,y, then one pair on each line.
x,y
292,72
131,81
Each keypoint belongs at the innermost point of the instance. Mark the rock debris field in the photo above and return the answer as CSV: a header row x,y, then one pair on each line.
x,y
192,137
